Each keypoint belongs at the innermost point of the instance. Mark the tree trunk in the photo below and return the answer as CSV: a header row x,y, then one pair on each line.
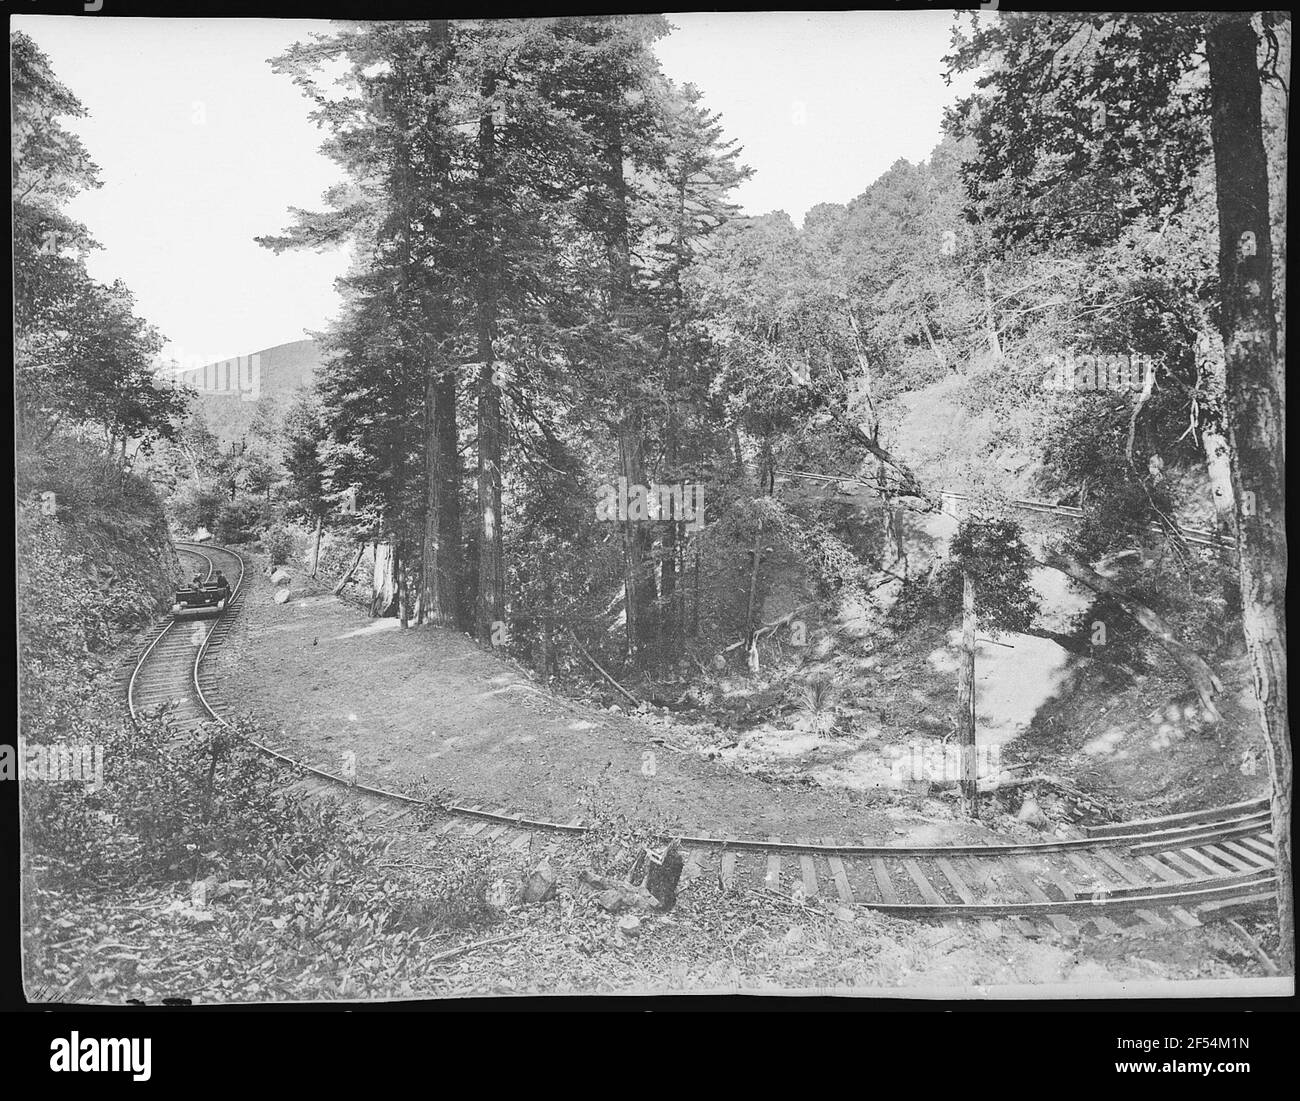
x,y
966,699
695,602
315,554
1256,388
383,581
670,621
637,580
990,318
399,570
440,549
1212,389
934,348
489,603
637,584
548,618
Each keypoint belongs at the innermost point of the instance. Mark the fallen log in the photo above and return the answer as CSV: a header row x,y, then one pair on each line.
x,y
601,670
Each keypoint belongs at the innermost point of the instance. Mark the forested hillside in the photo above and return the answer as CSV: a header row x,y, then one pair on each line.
x,y
559,336
988,457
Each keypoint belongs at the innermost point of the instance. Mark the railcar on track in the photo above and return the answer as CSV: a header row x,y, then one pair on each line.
x,y
209,596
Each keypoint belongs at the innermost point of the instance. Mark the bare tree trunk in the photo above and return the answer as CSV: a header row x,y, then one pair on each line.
x,y
315,554
944,365
637,581
548,617
399,568
440,548
489,603
990,318
383,580
695,602
966,699
1212,413
1256,386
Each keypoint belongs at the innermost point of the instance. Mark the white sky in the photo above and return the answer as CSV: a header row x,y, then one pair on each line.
x,y
201,147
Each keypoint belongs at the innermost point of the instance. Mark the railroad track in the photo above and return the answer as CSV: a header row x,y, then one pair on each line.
x,y
1149,874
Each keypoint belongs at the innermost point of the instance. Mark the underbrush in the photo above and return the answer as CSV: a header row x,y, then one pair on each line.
x,y
101,558
193,828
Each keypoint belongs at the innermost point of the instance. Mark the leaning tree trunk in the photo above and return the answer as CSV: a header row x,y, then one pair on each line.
x,y
347,574
1256,388
966,699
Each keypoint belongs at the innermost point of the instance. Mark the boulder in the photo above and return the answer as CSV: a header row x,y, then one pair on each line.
x,y
541,884
1032,814
280,577
622,897
282,596
662,879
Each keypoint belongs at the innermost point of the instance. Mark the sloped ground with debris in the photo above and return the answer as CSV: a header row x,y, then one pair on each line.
x,y
427,707
252,942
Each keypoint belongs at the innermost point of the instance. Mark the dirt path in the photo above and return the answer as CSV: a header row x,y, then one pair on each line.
x,y
427,704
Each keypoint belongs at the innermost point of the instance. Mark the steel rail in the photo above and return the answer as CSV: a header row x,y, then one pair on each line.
x,y
1170,833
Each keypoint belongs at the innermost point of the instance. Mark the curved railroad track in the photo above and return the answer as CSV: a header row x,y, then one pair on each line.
x,y
1152,873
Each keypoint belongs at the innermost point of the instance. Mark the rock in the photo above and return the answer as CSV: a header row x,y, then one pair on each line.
x,y
622,897
662,879
793,935
619,897
280,577
629,925
282,596
541,884
1032,814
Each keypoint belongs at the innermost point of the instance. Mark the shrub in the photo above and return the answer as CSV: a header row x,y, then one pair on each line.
x,y
240,520
195,504
278,544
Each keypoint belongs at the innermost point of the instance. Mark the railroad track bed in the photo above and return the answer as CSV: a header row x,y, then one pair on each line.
x,y
1163,873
